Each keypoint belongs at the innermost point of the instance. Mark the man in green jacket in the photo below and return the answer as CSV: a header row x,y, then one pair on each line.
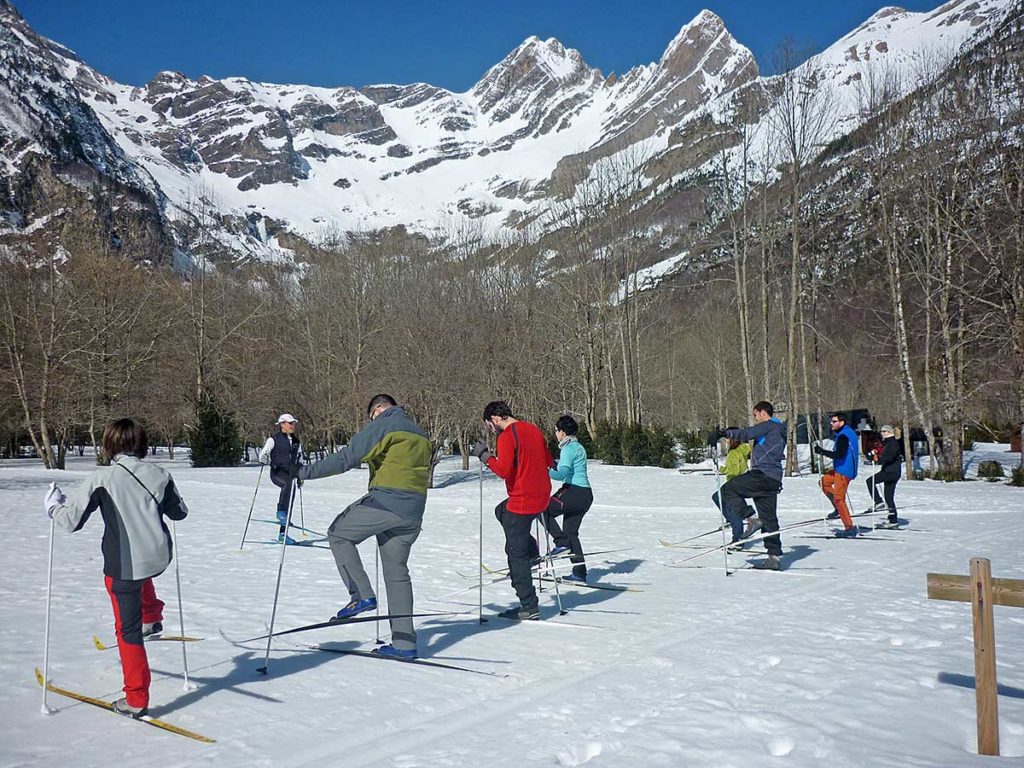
x,y
398,454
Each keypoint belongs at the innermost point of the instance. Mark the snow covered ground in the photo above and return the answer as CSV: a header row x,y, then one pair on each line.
x,y
839,661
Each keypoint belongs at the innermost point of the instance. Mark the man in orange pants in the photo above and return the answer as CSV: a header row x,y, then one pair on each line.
x,y
845,455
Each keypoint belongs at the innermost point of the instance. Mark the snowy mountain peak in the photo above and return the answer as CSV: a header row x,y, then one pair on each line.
x,y
558,61
704,44
304,158
535,67
701,29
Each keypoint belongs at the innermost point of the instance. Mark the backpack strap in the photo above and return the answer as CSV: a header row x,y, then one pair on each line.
x,y
144,486
515,438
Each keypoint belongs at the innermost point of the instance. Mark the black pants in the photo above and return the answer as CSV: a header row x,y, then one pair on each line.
x,y
520,549
279,476
572,502
764,490
888,483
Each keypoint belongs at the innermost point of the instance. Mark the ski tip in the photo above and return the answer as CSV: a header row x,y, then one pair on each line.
x,y
39,677
98,643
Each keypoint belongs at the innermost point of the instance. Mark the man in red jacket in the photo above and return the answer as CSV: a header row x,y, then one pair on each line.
x,y
523,460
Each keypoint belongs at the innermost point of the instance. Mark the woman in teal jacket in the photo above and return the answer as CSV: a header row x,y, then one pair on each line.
x,y
572,500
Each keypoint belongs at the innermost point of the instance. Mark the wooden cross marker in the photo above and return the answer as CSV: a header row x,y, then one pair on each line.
x,y
982,592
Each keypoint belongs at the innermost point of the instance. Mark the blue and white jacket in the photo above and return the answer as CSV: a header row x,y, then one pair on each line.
x,y
572,464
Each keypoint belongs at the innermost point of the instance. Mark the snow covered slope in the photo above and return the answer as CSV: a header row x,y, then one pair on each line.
x,y
839,661
306,158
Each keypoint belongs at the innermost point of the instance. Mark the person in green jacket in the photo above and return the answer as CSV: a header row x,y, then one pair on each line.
x,y
736,459
398,454
572,500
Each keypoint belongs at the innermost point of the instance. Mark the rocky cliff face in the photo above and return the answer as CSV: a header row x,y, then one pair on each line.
x,y
302,158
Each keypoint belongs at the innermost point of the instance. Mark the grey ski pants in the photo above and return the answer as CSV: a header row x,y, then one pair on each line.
x,y
395,537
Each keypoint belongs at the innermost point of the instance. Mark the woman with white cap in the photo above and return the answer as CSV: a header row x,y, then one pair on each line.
x,y
890,457
281,451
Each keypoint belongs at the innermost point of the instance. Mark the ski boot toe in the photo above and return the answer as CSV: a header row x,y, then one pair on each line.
x,y
521,614
356,607
390,652
122,707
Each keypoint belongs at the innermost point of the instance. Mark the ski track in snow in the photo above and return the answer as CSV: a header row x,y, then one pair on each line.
x,y
852,667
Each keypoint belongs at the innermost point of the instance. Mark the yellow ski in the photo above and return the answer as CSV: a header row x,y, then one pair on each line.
x,y
107,706
153,639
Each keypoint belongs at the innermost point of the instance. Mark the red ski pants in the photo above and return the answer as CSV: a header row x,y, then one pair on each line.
x,y
134,603
834,485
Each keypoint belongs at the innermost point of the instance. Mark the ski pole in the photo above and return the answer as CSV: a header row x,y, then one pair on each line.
x,y
874,493
551,566
251,506
480,562
302,514
187,686
46,633
376,576
721,505
536,538
277,588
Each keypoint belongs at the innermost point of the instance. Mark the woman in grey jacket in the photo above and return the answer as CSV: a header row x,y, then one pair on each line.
x,y
133,497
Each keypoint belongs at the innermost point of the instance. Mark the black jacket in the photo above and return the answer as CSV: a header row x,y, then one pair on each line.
x,y
890,459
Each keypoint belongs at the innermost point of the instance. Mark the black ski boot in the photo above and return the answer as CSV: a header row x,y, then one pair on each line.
x,y
521,614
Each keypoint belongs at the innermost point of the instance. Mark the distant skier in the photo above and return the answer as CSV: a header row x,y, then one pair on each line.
x,y
398,453
133,497
762,482
572,500
282,451
891,459
845,455
523,461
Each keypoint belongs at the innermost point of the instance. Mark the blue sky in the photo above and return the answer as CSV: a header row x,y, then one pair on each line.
x,y
450,44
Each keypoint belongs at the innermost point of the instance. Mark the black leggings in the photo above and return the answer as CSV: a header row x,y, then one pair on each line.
x,y
888,488
279,476
572,502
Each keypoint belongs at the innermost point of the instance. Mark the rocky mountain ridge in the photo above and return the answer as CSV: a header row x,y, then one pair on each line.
x,y
299,159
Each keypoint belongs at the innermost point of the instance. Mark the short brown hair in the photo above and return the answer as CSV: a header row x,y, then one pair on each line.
x,y
125,436
497,408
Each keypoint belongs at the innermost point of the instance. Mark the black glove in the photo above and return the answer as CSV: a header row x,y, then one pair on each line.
x,y
480,450
715,436
818,450
293,471
298,483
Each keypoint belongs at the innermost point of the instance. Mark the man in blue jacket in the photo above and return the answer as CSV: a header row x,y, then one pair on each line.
x,y
762,482
845,455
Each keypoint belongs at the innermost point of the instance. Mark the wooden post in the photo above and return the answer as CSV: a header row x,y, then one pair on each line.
x,y
984,656
982,592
